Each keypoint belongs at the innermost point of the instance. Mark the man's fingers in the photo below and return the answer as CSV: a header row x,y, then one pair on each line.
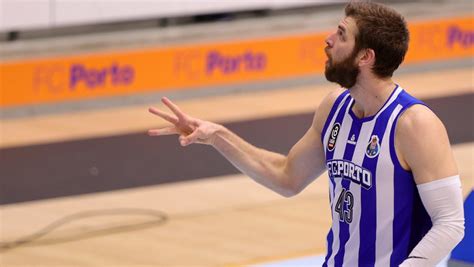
x,y
163,115
173,107
189,139
163,131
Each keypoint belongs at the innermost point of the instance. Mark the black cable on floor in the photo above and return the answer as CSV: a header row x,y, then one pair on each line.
x,y
158,218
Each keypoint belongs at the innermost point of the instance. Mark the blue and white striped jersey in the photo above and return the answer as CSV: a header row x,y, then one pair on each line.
x,y
377,214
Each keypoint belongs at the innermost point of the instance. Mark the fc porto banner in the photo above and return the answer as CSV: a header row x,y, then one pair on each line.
x,y
189,67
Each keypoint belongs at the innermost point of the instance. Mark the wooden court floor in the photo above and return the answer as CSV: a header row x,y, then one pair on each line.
x,y
217,221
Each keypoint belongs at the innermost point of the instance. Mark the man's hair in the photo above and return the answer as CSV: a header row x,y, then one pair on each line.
x,y
383,30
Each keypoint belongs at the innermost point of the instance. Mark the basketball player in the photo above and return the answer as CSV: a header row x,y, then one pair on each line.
x,y
394,189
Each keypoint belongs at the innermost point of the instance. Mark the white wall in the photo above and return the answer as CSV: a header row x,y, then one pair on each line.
x,y
24,14
34,14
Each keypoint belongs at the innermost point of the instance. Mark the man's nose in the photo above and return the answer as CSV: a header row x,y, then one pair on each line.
x,y
329,41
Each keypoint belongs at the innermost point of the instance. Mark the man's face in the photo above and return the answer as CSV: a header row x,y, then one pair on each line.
x,y
341,66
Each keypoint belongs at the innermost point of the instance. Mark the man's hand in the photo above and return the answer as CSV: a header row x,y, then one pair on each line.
x,y
189,129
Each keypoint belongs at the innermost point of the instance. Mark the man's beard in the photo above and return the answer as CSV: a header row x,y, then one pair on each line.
x,y
343,73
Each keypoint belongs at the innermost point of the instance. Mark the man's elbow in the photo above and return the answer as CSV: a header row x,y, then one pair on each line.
x,y
458,229
453,231
289,192
286,193
291,188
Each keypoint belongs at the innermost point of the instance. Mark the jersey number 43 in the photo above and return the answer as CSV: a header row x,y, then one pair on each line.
x,y
344,205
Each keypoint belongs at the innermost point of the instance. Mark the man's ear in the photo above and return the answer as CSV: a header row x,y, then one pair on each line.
x,y
366,57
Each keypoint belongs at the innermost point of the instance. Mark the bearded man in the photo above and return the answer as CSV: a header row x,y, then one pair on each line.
x,y
394,189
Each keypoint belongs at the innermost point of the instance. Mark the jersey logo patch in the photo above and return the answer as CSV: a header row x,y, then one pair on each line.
x,y
333,136
373,148
352,141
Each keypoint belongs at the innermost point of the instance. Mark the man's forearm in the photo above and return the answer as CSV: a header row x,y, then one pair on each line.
x,y
443,202
265,167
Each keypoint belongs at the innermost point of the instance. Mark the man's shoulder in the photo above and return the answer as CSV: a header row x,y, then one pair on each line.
x,y
418,118
419,123
328,102
325,106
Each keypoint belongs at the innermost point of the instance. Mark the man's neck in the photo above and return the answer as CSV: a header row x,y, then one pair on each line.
x,y
370,95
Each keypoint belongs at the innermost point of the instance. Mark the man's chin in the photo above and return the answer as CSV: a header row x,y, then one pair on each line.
x,y
329,75
331,80
328,72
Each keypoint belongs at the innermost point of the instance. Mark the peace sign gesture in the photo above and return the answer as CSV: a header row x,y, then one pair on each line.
x,y
189,129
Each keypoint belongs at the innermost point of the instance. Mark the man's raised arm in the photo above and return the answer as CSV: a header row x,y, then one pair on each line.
x,y
286,175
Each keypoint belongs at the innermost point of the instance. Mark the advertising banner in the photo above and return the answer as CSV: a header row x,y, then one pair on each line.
x,y
189,67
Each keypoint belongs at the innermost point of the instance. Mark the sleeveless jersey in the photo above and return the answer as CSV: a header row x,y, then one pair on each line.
x,y
377,214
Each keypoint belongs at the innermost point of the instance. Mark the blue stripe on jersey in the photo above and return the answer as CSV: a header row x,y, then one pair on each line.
x,y
339,118
420,221
343,226
330,235
411,221
329,238
402,209
331,113
368,217
330,154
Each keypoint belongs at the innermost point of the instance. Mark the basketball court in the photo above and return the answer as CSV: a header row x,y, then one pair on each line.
x,y
87,187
